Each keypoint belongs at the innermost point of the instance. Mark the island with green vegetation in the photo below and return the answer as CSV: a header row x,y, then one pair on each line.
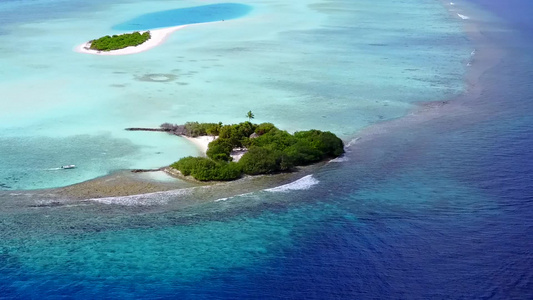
x,y
115,42
267,149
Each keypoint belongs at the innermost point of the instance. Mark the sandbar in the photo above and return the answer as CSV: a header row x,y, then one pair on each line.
x,y
157,37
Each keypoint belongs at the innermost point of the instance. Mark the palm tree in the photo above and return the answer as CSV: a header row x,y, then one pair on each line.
x,y
250,115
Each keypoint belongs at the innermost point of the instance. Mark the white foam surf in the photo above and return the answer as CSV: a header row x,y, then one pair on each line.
x,y
158,198
339,159
236,196
303,183
351,143
463,16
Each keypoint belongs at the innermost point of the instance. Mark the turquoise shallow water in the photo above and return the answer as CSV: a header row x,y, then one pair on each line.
x,y
299,65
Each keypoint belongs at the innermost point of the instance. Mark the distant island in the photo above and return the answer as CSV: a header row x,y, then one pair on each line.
x,y
115,42
250,149
127,43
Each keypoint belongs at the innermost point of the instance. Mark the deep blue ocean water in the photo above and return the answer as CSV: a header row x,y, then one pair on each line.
x,y
440,208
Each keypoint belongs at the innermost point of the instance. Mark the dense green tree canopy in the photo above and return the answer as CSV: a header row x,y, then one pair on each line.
x,y
200,129
115,42
205,169
270,150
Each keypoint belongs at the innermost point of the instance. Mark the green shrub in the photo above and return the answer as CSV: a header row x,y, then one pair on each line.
x,y
230,134
205,169
245,129
324,141
264,128
275,139
228,171
238,134
187,164
260,161
213,128
219,149
195,129
273,151
115,42
303,153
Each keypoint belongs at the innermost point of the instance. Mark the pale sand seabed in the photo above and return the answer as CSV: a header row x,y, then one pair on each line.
x,y
158,36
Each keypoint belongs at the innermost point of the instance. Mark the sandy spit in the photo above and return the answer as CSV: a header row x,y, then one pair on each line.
x,y
158,37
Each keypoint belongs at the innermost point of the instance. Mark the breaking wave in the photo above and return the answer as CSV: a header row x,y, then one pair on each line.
x,y
158,198
303,183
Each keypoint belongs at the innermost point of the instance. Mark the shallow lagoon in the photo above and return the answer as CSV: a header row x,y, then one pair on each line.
x,y
298,65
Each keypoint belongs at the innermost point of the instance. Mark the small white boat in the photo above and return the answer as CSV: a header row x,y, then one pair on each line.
x,y
68,167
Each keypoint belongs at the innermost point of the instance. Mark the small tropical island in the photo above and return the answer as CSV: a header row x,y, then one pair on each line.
x,y
127,43
261,149
116,42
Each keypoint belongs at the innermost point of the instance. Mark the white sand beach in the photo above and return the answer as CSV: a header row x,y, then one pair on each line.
x,y
202,142
237,154
158,36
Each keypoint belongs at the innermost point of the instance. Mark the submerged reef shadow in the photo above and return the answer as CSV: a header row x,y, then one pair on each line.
x,y
156,77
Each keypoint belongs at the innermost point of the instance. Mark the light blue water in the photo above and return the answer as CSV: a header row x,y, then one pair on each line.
x,y
300,65
184,16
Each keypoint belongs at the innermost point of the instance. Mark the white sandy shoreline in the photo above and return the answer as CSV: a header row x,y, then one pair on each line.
x,y
201,142
157,37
